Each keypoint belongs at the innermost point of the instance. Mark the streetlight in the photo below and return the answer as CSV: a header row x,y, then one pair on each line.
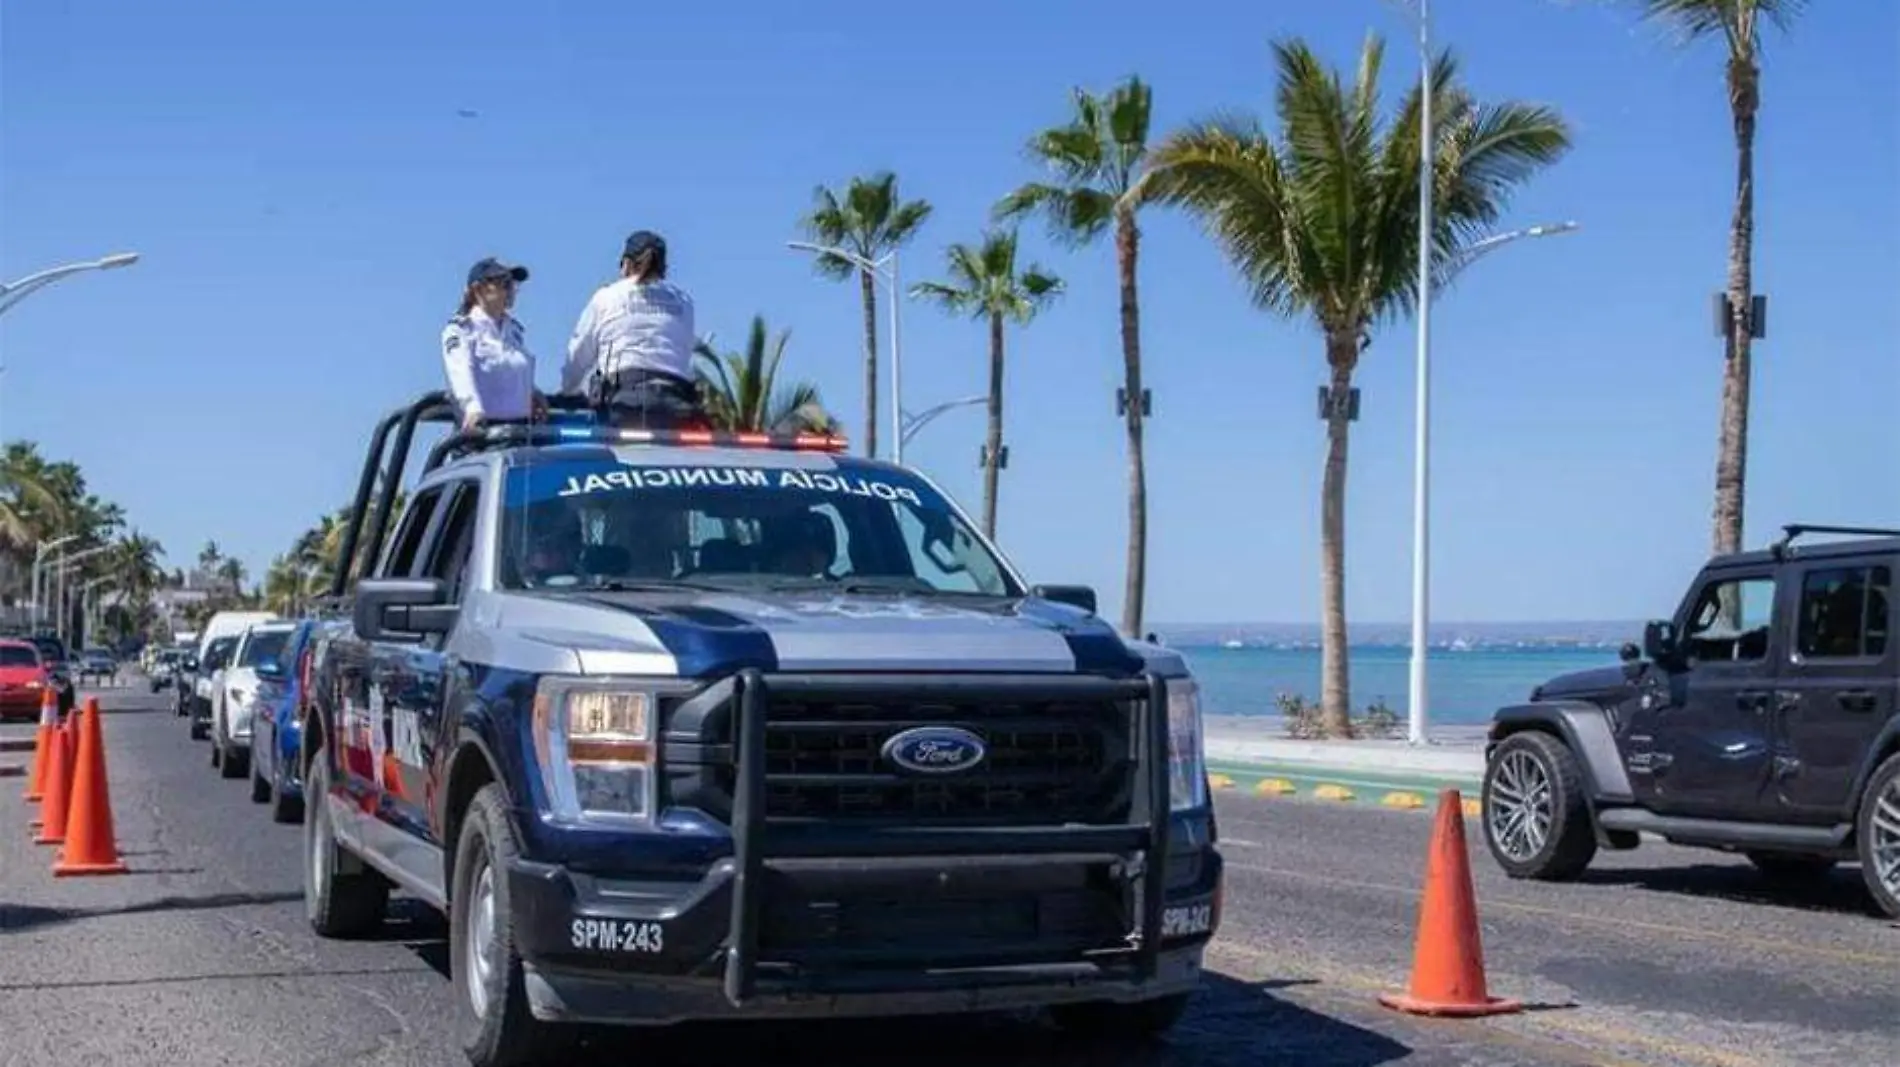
x,y
1416,690
913,423
59,577
12,293
39,553
875,268
87,603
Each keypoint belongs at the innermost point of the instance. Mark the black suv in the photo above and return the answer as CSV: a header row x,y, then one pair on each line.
x,y
1763,718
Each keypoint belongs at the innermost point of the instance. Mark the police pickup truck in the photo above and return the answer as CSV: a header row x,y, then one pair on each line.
x,y
686,725
1762,718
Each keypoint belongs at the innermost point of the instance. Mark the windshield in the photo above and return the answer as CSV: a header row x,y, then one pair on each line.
x,y
264,647
719,521
18,656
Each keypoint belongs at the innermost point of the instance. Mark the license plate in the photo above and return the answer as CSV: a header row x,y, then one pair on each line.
x,y
616,935
1187,920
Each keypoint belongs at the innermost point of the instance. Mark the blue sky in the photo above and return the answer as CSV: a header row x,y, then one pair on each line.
x,y
306,201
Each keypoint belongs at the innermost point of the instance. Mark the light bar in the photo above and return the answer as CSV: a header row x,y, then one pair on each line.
x,y
796,442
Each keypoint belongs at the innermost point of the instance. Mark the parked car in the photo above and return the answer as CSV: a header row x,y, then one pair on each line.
x,y
205,681
235,695
97,663
277,723
58,670
1762,718
23,681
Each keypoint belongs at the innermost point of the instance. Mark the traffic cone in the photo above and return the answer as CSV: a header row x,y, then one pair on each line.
x,y
1448,962
42,744
89,847
59,791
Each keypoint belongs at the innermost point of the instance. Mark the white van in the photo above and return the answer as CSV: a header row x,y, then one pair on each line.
x,y
223,624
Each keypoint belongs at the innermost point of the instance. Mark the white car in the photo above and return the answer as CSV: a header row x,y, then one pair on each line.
x,y
234,696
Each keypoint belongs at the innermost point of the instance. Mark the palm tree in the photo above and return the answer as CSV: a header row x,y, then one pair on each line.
x,y
1323,222
868,221
1738,23
209,557
984,284
232,570
1095,159
741,391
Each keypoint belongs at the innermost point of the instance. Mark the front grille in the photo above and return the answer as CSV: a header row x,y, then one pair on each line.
x,y
1044,763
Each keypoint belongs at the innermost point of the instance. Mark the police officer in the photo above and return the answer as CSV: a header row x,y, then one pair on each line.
x,y
484,349
631,354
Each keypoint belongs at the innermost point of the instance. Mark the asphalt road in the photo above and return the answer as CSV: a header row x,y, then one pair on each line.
x,y
1662,956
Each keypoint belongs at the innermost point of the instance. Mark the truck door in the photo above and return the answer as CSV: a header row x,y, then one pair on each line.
x,y
1712,742
1837,688
432,677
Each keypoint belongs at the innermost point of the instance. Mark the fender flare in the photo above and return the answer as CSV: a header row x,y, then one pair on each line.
x,y
1585,728
1885,744
471,750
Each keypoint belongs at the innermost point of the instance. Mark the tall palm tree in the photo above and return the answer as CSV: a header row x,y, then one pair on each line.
x,y
741,390
868,221
1323,222
985,284
1096,158
1738,24
232,570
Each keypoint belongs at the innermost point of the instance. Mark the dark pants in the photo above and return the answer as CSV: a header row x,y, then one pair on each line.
x,y
653,401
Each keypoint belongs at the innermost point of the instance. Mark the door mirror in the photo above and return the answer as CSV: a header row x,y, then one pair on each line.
x,y
402,609
1659,643
1078,596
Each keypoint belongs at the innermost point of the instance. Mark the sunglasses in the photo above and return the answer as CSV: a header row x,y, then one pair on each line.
x,y
504,281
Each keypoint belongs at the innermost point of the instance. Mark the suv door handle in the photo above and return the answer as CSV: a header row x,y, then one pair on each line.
x,y
1856,699
1752,700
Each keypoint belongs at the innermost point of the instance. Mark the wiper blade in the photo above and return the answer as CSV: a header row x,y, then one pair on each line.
x,y
642,585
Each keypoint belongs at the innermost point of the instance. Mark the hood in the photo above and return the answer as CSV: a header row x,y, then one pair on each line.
x,y
1597,682
21,675
715,633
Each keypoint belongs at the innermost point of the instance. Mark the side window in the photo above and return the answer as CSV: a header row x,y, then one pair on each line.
x,y
455,536
1731,621
401,560
1844,613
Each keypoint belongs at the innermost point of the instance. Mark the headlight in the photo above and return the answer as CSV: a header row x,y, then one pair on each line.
x,y
1187,757
595,743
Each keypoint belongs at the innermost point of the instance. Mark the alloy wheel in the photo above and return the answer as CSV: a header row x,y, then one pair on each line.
x,y
1520,809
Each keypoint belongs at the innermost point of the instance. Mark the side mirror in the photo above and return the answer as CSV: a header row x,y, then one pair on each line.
x,y
1659,642
1629,653
402,609
1078,596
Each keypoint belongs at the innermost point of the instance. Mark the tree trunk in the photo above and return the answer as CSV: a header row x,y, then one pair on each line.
x,y
1127,240
1335,694
1731,462
993,440
869,285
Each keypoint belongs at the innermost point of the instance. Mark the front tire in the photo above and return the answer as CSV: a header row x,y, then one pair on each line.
x,y
283,807
496,1027
341,896
1877,835
260,789
1536,818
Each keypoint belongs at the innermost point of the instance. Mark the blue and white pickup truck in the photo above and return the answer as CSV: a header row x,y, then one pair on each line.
x,y
679,725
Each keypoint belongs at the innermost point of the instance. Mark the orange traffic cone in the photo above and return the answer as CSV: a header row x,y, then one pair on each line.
x,y
59,791
1448,962
42,743
90,847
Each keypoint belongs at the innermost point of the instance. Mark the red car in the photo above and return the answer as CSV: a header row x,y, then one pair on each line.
x,y
23,679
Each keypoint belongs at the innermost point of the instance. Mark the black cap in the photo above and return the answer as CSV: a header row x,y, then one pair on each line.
x,y
644,241
494,268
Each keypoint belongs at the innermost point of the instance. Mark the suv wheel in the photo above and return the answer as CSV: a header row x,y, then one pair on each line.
x,y
497,1028
1536,822
260,789
1108,1021
1878,835
341,897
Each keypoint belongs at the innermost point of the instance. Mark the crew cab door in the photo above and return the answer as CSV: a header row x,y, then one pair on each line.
x,y
430,676
1837,687
1712,740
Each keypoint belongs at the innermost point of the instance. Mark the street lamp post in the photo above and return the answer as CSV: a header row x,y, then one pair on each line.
x,y
87,604
59,579
1418,693
875,268
39,553
913,423
12,293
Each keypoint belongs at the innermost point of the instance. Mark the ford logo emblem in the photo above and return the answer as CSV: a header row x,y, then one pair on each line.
x,y
935,750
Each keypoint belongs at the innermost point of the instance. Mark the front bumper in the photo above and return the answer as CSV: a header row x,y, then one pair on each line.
x,y
823,920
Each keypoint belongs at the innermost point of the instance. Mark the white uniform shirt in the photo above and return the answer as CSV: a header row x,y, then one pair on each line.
x,y
491,371
631,326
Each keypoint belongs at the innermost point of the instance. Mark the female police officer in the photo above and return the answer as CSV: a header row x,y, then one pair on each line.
x,y
491,371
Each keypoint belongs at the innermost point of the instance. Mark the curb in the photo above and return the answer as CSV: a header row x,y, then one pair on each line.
x,y
1397,799
16,744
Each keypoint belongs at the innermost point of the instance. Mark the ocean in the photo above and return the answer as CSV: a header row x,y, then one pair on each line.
x,y
1466,686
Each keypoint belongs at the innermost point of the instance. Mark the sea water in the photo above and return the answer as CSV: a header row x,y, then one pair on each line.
x,y
1465,686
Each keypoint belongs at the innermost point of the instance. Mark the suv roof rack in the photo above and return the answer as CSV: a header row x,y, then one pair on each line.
x,y
578,428
1794,530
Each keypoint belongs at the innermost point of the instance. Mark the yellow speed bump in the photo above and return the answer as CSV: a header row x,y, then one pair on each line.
x,y
1274,787
1220,781
1474,809
1333,792
1407,801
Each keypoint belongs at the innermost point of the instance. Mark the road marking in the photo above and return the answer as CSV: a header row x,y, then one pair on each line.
x,y
1407,801
1725,937
1332,791
1220,781
1273,787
